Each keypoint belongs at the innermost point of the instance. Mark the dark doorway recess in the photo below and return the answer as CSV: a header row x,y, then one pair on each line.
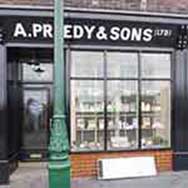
x,y
29,86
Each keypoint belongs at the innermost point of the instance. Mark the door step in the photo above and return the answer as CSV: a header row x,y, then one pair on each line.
x,y
33,164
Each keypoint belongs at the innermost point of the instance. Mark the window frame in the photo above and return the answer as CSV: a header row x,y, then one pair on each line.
x,y
169,51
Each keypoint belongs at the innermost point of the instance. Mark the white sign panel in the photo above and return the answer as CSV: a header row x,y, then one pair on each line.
x,y
127,167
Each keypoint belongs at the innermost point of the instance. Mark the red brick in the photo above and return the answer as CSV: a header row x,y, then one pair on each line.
x,y
86,164
167,6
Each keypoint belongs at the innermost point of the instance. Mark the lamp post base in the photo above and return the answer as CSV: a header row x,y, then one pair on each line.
x,y
59,174
59,163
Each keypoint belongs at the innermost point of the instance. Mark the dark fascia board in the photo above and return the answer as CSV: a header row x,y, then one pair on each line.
x,y
103,14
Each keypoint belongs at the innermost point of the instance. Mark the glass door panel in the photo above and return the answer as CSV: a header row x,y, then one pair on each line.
x,y
36,118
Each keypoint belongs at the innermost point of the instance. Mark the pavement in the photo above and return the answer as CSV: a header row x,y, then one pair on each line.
x,y
37,177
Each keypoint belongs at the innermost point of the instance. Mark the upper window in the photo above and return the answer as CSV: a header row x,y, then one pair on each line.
x,y
38,72
155,65
122,65
87,64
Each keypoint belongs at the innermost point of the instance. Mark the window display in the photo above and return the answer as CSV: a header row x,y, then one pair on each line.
x,y
156,119
87,115
122,113
156,100
119,97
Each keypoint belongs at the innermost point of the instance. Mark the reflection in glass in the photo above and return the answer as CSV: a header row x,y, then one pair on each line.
x,y
122,65
155,65
35,118
87,64
156,110
39,72
87,115
122,107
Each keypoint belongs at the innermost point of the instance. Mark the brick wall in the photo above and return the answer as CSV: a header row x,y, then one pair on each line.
x,y
85,165
167,6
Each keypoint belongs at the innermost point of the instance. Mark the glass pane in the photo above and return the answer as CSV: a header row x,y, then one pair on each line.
x,y
122,107
41,72
122,65
87,64
87,115
156,108
35,119
155,65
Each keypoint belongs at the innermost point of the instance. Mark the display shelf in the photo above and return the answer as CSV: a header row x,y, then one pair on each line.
x,y
87,130
120,115
95,136
103,112
143,129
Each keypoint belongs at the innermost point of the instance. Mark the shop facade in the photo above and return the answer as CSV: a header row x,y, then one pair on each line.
x,y
126,87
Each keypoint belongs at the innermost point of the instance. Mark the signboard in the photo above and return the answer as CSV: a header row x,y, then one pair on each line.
x,y
91,32
132,167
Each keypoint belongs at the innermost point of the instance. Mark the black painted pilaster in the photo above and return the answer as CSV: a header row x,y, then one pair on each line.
x,y
180,129
4,165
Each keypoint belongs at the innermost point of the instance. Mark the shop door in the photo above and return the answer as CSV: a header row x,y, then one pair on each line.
x,y
36,115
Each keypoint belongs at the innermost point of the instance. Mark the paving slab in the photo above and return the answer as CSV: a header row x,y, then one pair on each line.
x,y
164,180
37,177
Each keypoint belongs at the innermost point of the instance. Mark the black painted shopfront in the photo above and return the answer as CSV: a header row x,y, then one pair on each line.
x,y
127,85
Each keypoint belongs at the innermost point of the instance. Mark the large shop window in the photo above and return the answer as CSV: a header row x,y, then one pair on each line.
x,y
120,100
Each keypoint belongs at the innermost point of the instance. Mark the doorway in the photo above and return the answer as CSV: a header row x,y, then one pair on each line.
x,y
31,73
29,88
37,80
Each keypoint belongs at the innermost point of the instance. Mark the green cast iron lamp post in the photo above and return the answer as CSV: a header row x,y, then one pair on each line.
x,y
59,164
